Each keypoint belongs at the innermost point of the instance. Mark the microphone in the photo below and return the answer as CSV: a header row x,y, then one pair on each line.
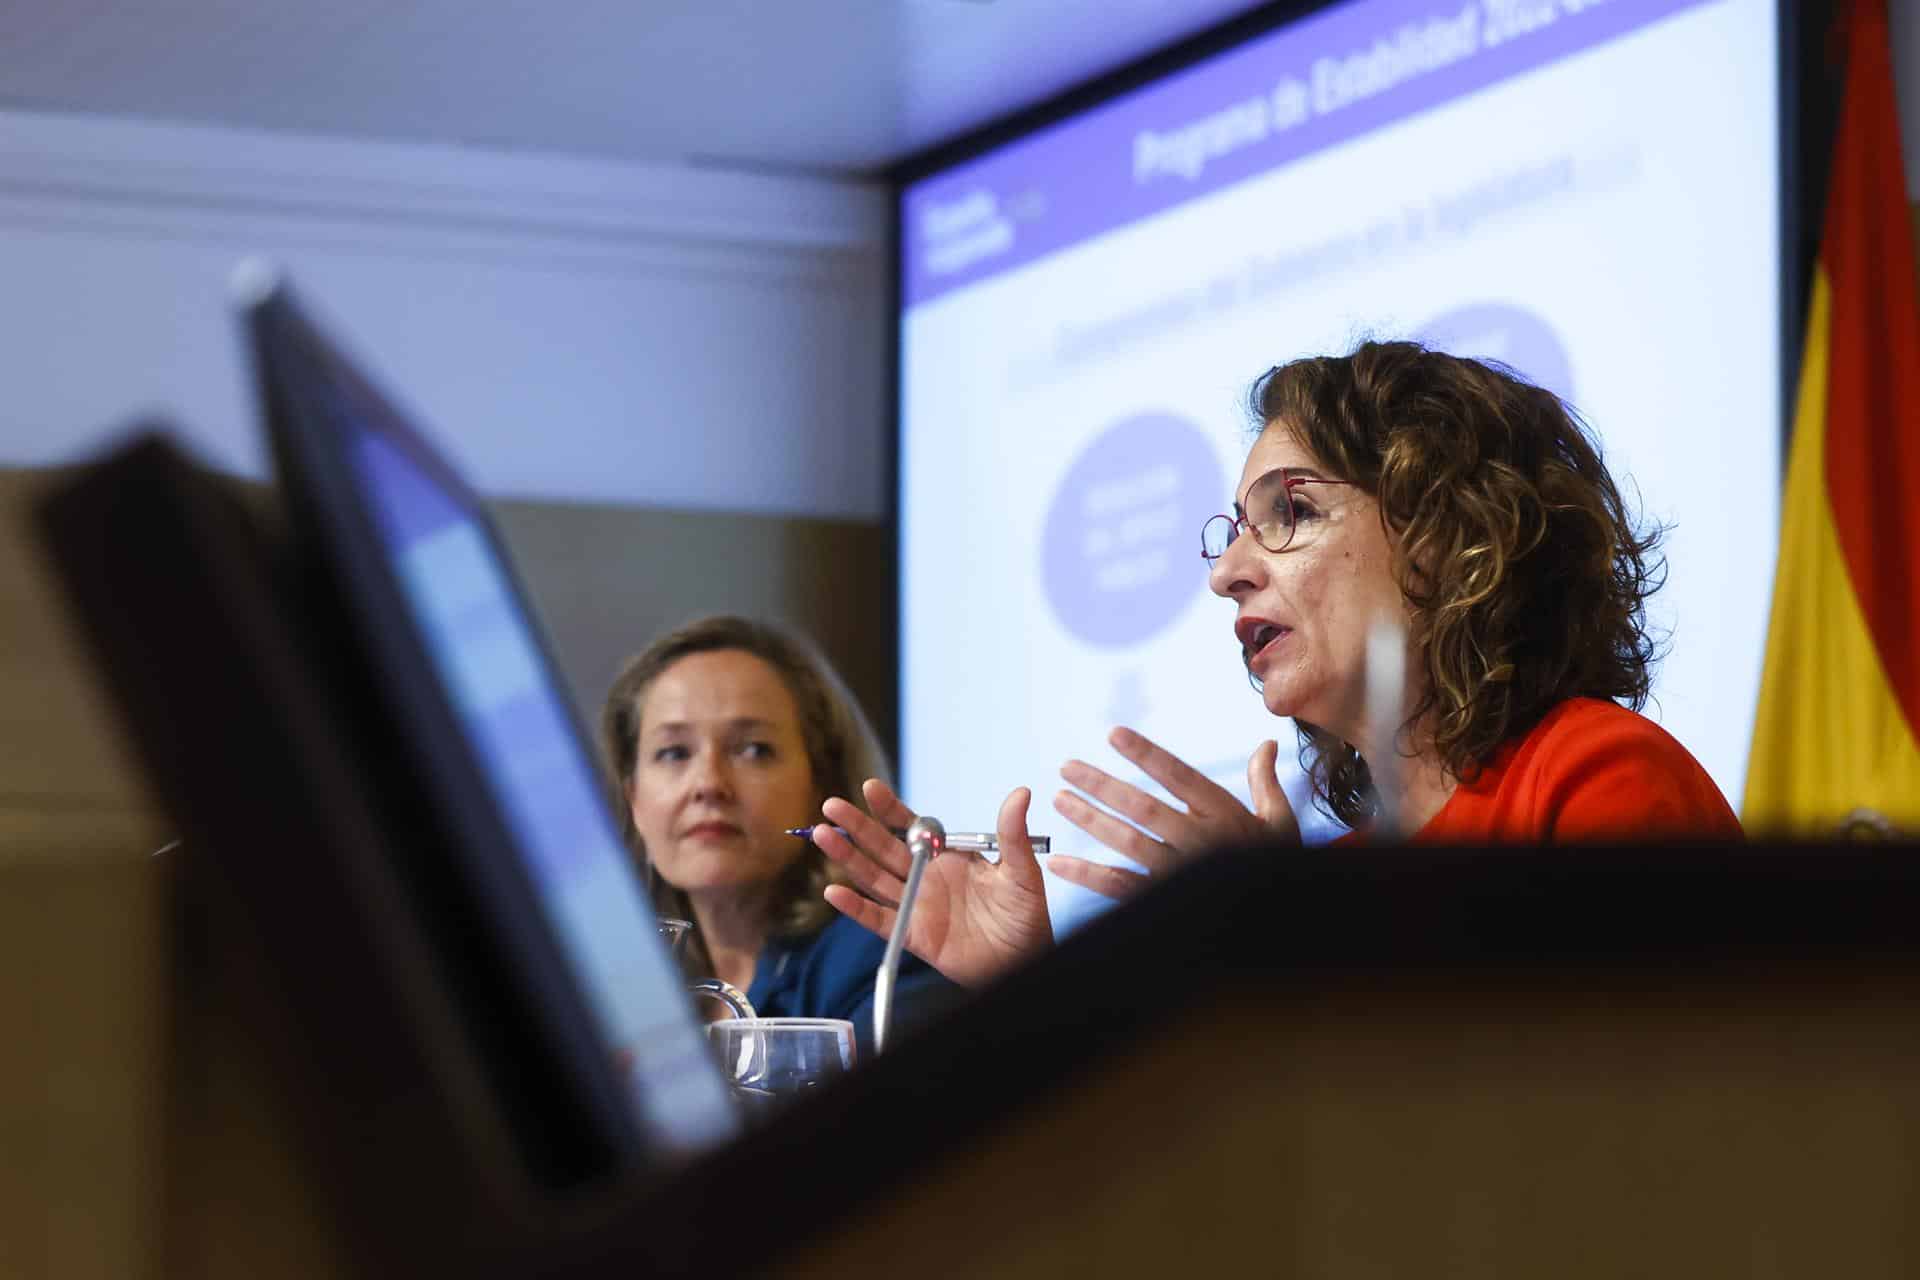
x,y
1385,708
926,839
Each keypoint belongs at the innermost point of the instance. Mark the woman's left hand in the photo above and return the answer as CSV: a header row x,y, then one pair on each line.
x,y
1214,815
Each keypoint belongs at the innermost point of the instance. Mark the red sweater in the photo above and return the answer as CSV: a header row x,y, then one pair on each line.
x,y
1590,771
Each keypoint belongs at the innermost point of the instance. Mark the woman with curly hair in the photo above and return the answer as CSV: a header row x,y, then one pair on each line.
x,y
1393,491
723,735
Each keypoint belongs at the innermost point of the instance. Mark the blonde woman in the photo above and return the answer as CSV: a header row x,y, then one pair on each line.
x,y
724,735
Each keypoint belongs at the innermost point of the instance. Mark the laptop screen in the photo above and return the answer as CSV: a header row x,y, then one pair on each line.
x,y
482,713
505,695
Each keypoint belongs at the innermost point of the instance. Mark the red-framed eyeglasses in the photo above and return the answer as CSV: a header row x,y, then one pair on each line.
x,y
1268,513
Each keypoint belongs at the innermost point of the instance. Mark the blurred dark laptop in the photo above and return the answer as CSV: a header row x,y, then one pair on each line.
x,y
372,758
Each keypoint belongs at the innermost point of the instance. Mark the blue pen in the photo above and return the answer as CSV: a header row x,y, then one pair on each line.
x,y
957,841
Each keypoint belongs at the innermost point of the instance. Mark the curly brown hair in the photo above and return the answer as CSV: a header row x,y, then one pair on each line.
x,y
1525,576
842,751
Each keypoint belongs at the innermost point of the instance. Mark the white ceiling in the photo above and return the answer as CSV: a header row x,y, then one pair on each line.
x,y
811,85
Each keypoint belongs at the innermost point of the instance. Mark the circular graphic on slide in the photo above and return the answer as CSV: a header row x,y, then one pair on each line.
x,y
1518,339
1120,555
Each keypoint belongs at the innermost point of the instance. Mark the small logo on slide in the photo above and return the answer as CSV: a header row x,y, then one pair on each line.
x,y
959,232
1121,554
1518,339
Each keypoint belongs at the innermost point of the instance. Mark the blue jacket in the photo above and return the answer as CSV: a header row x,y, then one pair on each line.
x,y
830,975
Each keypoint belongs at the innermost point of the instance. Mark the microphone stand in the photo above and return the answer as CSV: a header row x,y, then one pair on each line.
x,y
926,837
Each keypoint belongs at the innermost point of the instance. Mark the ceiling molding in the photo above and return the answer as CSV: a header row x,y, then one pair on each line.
x,y
130,169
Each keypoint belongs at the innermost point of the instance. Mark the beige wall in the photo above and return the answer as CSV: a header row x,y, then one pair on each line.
x,y
603,580
66,782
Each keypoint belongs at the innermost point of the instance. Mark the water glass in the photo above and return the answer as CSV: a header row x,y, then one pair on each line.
x,y
674,933
771,1061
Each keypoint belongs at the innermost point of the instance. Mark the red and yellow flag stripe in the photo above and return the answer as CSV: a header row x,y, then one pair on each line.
x,y
1838,725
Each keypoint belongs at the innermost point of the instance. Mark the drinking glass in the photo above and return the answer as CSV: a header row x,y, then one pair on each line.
x,y
674,931
771,1061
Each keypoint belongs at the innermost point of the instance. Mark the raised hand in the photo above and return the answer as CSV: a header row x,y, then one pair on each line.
x,y
1213,815
973,919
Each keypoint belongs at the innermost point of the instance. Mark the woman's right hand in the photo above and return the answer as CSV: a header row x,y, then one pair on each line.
x,y
1158,836
972,919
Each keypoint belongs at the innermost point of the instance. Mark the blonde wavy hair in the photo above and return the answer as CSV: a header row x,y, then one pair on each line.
x,y
1525,576
842,751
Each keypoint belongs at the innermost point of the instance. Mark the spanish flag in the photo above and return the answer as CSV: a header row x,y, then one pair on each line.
x,y
1838,728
